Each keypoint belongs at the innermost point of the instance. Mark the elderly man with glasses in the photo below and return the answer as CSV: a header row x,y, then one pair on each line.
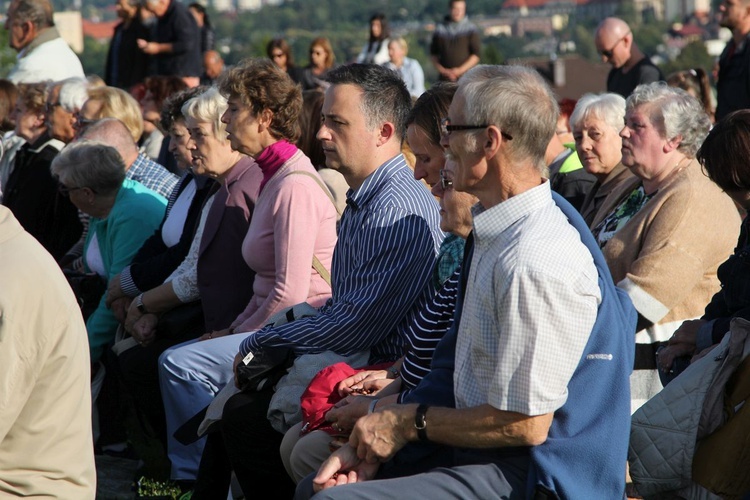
x,y
538,356
630,67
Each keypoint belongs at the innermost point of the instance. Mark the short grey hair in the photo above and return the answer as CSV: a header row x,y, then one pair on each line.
x,y
39,12
674,113
90,164
516,99
73,93
208,107
607,107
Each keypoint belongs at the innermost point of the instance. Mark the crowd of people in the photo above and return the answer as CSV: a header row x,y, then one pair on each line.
x,y
494,279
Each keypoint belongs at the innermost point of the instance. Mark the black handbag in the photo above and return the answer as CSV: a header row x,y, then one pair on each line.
x,y
88,289
184,321
264,369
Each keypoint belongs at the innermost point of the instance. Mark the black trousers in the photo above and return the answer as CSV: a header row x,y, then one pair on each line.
x,y
138,369
243,442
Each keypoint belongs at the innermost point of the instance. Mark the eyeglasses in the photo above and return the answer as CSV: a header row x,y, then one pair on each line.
x,y
445,182
446,128
608,53
65,191
81,122
49,107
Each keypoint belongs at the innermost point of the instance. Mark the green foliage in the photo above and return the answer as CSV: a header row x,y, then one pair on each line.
x,y
94,56
7,55
650,36
694,55
148,488
584,40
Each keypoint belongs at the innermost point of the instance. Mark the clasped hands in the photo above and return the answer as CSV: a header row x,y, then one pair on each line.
x,y
682,343
374,439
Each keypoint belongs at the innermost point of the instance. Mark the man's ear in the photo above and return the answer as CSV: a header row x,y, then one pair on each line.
x,y
386,131
493,140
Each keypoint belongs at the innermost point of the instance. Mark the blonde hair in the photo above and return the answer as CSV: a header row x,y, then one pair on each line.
x,y
116,103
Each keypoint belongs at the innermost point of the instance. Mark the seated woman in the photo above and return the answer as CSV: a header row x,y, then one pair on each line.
x,y
423,133
302,451
157,258
279,51
653,233
723,156
213,270
596,122
167,247
110,102
291,237
30,191
122,213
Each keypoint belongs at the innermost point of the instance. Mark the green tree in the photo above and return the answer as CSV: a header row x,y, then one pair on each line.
x,y
584,40
694,55
94,56
7,55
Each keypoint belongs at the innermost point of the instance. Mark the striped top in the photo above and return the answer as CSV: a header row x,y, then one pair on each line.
x,y
425,331
388,241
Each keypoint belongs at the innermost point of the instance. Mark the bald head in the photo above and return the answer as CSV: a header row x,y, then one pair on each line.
x,y
113,132
213,63
614,42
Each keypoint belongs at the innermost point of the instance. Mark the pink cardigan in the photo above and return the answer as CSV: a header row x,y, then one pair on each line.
x,y
293,220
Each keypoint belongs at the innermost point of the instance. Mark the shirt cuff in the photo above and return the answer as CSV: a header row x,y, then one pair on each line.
x,y
127,284
703,338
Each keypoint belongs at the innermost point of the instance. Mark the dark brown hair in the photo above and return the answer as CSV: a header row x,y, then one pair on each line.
x,y
161,87
171,110
280,43
724,153
431,107
309,121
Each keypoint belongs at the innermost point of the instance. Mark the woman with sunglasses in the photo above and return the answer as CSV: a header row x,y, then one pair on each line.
x,y
280,53
322,60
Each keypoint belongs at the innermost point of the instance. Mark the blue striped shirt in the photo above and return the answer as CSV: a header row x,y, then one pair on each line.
x,y
424,332
388,241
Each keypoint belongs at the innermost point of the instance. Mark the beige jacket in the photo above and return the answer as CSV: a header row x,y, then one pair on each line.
x,y
666,256
46,447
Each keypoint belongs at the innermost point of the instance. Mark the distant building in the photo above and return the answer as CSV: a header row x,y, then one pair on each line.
x,y
570,76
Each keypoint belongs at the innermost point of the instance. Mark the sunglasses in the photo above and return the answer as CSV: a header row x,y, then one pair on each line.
x,y
608,53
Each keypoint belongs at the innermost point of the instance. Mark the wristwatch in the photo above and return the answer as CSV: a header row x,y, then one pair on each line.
x,y
420,423
139,304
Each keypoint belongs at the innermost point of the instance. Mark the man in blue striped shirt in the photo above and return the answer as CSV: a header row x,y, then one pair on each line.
x,y
388,241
